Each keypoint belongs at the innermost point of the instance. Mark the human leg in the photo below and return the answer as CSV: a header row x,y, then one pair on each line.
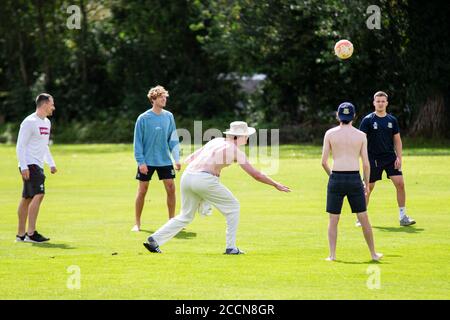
x,y
368,235
332,235
22,212
169,185
139,203
189,205
33,212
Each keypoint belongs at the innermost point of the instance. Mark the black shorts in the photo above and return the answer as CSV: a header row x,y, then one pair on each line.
x,y
166,172
378,166
343,184
35,185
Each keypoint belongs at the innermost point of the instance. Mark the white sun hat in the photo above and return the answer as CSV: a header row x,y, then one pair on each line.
x,y
240,128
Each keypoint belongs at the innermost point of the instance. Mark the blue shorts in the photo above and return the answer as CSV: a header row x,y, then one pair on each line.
x,y
342,184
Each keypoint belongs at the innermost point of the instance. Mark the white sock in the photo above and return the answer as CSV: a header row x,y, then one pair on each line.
x,y
402,211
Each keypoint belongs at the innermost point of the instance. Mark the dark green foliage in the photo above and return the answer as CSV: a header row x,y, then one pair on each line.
x,y
199,49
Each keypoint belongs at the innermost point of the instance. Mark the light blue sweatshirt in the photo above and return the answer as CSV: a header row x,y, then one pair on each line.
x,y
155,139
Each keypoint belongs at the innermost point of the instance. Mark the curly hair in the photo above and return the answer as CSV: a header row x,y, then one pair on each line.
x,y
157,91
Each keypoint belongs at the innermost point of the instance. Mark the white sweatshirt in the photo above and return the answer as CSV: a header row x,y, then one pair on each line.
x,y
32,143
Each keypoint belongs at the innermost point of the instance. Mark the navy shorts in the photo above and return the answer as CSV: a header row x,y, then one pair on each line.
x,y
378,166
342,184
34,185
166,172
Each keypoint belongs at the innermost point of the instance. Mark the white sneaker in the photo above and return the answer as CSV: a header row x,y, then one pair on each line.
x,y
407,221
135,229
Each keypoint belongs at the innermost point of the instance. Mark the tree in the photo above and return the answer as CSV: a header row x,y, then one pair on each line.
x,y
292,43
428,54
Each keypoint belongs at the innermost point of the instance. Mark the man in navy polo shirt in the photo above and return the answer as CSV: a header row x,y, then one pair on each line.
x,y
385,151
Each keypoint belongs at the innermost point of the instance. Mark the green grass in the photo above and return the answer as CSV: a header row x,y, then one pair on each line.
x,y
89,207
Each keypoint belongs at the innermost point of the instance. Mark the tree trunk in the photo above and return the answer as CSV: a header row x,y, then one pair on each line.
x,y
22,64
44,44
431,120
83,44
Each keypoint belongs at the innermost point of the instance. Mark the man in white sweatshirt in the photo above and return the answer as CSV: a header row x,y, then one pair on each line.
x,y
32,151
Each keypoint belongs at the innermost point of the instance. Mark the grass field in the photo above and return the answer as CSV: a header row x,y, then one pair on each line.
x,y
88,213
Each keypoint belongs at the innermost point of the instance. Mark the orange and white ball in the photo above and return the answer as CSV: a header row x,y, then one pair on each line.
x,y
343,49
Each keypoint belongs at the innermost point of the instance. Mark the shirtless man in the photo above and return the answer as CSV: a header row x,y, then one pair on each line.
x,y
347,144
200,182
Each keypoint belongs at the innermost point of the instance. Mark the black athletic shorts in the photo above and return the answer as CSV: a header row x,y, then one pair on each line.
x,y
345,183
377,166
166,172
34,185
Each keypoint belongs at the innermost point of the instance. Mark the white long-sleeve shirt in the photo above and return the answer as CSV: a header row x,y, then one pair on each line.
x,y
32,142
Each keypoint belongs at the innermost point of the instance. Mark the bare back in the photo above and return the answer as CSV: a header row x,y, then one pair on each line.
x,y
214,156
346,144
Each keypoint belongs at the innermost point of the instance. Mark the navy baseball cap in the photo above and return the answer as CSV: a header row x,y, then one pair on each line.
x,y
346,111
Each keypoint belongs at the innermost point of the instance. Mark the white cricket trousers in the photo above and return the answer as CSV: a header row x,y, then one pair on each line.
x,y
195,187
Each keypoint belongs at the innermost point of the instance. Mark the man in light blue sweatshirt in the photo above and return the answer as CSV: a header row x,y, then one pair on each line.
x,y
155,141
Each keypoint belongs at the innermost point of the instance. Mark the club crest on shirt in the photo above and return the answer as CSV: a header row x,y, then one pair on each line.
x,y
375,125
390,125
44,130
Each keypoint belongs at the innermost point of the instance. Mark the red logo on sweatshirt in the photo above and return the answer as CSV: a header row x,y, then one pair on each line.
x,y
44,130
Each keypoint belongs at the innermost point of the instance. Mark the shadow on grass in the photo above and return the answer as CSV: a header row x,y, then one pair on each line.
x,y
354,262
181,235
147,231
185,235
400,229
53,245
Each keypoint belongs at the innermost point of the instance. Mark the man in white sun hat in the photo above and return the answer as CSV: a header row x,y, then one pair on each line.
x,y
200,182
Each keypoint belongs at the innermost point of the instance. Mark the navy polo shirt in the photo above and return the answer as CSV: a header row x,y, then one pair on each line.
x,y
380,133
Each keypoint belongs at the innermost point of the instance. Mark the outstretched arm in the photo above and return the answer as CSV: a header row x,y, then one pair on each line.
x,y
257,175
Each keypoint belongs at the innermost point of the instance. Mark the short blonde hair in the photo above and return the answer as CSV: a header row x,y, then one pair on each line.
x,y
157,91
380,94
